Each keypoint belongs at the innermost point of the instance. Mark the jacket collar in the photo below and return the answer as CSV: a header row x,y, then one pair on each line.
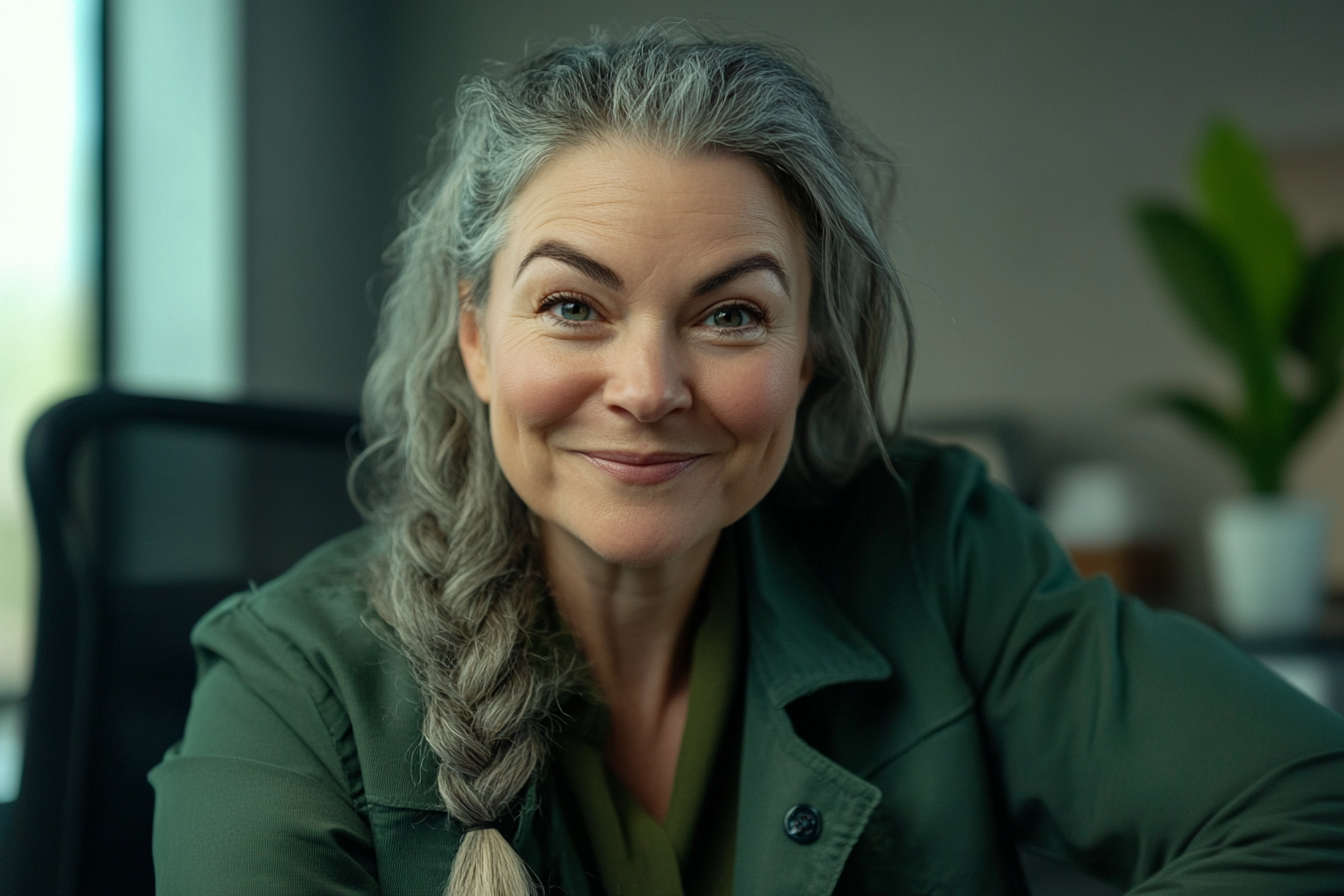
x,y
801,641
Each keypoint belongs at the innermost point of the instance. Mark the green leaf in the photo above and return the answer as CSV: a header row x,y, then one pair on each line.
x,y
1318,325
1250,222
1200,276
1206,419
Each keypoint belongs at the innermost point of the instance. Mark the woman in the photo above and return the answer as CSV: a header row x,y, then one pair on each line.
x,y
595,638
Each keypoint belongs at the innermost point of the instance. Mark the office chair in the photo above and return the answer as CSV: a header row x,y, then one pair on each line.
x,y
148,511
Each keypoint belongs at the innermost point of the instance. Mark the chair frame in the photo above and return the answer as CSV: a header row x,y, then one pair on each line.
x,y
43,844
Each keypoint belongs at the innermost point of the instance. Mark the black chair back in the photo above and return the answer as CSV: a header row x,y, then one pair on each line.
x,y
148,511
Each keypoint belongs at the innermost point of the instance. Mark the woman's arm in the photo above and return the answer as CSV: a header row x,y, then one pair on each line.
x,y
1136,744
256,798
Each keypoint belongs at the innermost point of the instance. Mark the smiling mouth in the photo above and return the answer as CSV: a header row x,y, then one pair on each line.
x,y
641,469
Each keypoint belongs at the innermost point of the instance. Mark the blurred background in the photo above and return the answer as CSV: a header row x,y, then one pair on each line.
x,y
195,196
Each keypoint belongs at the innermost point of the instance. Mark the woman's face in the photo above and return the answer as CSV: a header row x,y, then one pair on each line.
x,y
643,347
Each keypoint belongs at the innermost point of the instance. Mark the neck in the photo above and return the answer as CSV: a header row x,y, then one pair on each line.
x,y
630,622
632,625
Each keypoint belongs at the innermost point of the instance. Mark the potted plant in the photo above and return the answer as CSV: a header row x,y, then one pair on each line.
x,y
1275,312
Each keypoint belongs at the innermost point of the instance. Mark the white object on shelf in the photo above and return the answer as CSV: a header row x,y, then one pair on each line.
x,y
1268,564
1099,505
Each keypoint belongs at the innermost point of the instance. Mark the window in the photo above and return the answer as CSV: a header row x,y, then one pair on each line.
x,y
49,184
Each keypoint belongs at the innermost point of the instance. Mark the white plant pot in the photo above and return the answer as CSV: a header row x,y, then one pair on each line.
x,y
1268,564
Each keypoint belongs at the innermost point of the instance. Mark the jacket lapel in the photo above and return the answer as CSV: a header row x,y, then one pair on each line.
x,y
799,643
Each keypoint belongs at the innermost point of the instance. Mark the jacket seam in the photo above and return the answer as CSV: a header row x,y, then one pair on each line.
x,y
952,717
409,806
346,754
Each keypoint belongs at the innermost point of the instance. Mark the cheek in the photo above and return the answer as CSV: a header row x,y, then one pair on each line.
x,y
534,388
758,399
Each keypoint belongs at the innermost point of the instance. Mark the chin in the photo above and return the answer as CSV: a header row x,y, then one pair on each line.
x,y
641,539
655,549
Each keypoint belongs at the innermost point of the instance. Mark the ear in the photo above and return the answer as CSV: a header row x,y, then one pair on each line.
x,y
805,375
471,342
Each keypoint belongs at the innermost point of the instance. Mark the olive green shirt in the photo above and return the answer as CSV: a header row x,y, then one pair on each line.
x,y
923,669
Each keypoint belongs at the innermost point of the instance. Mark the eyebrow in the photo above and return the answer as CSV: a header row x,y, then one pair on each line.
x,y
595,270
760,262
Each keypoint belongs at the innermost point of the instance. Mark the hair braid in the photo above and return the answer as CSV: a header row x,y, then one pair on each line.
x,y
469,607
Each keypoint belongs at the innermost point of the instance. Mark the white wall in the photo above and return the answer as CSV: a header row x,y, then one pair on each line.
x,y
1025,131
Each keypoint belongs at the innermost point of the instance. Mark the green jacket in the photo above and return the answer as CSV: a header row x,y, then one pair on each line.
x,y
924,668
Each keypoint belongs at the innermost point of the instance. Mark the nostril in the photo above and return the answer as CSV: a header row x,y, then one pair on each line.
x,y
649,383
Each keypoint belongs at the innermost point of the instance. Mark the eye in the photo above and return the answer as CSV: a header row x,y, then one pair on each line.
x,y
733,317
572,310
569,310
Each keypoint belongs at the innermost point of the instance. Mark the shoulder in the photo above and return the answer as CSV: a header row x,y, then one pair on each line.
x,y
917,533
324,590
318,610
920,490
311,642
933,469
961,519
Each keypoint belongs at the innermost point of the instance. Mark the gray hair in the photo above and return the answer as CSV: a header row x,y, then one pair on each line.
x,y
461,582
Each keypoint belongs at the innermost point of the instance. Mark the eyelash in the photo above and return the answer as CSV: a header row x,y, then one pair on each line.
x,y
760,317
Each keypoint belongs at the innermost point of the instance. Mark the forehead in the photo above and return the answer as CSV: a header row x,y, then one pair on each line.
x,y
628,195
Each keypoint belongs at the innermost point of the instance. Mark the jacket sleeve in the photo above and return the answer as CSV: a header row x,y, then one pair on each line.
x,y
1138,745
256,798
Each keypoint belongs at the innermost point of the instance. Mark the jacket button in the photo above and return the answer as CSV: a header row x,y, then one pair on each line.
x,y
803,824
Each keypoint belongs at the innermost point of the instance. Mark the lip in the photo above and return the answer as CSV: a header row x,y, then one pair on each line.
x,y
641,469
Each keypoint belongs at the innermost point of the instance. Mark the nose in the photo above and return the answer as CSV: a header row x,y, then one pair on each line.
x,y
647,379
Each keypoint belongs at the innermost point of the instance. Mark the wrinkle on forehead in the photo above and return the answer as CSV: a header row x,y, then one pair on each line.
x,y
602,202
